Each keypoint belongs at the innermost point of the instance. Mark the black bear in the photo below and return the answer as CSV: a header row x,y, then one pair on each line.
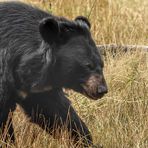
x,y
39,55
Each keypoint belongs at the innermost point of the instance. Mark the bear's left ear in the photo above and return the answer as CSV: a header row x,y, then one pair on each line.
x,y
49,30
84,20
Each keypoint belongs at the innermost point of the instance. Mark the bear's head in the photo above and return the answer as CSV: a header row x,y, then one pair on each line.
x,y
76,62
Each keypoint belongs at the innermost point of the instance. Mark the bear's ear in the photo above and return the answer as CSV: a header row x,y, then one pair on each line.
x,y
49,29
84,20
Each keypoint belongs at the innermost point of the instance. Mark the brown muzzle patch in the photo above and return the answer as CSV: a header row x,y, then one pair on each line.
x,y
95,86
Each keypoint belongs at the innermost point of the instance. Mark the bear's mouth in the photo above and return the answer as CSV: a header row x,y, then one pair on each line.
x,y
93,96
94,87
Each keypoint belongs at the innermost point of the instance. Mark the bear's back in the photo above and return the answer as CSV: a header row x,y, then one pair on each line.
x,y
19,26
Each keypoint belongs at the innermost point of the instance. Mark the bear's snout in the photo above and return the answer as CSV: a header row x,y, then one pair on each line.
x,y
102,89
95,86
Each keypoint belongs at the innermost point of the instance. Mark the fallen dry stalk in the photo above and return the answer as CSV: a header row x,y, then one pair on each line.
x,y
124,48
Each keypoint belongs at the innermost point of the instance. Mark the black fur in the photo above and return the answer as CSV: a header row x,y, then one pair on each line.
x,y
50,107
39,55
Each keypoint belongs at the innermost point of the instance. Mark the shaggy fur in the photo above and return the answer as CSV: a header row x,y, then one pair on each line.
x,y
39,55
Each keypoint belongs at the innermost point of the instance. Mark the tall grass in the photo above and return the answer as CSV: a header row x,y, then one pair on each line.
x,y
120,119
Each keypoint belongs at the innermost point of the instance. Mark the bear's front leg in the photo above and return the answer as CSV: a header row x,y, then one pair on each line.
x,y
54,108
7,95
79,129
5,107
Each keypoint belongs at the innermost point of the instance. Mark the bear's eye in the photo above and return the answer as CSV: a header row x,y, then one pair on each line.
x,y
90,66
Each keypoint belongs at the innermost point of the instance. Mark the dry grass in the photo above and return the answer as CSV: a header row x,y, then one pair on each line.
x,y
120,119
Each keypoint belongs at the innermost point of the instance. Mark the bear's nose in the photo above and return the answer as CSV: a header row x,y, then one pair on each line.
x,y
102,89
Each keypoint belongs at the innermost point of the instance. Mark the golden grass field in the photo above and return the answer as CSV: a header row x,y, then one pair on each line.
x,y
120,119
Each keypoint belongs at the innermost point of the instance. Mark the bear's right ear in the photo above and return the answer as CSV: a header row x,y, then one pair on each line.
x,y
49,29
84,20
